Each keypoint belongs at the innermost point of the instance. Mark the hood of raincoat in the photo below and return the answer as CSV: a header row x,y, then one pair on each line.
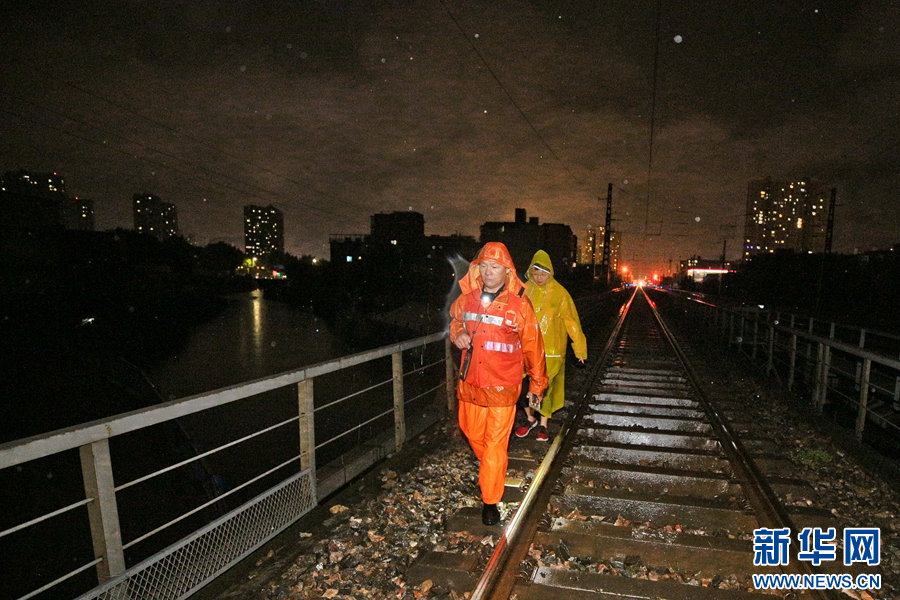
x,y
543,259
498,253
556,313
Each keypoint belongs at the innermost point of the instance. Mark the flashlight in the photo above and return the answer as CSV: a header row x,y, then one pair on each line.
x,y
465,366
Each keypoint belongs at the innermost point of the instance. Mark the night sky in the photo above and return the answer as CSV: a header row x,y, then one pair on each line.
x,y
333,111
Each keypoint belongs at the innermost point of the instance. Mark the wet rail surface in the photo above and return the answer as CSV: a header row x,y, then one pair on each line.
x,y
645,491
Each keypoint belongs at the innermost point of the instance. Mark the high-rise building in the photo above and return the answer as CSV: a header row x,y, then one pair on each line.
x,y
526,235
785,215
591,252
71,213
35,185
398,227
263,230
153,216
77,213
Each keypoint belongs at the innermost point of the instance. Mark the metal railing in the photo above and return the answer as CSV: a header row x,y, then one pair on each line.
x,y
850,369
179,518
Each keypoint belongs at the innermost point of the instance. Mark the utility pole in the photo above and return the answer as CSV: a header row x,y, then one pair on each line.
x,y
722,275
829,228
606,232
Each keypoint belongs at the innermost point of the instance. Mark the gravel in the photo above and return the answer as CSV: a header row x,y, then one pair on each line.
x,y
361,542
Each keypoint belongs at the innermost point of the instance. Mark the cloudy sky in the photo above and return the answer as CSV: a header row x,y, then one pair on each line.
x,y
335,110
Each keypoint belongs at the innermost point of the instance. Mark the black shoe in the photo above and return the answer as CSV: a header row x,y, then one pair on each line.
x,y
490,514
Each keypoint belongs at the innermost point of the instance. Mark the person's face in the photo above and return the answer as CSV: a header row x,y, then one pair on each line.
x,y
493,275
539,276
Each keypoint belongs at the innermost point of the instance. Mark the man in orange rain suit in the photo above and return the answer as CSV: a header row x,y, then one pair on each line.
x,y
493,323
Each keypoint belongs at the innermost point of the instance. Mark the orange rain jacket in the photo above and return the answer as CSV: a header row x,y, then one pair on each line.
x,y
505,336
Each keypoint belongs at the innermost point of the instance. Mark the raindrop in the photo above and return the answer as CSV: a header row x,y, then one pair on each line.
x,y
477,35
677,39
243,68
228,29
303,55
384,60
697,219
625,182
289,46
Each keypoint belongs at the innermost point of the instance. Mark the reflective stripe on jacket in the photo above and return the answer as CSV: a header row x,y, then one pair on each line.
x,y
506,339
501,335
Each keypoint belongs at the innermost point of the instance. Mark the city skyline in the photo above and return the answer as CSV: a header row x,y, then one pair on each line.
x,y
334,112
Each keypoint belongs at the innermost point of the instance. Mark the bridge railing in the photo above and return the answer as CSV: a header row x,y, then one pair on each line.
x,y
136,506
852,370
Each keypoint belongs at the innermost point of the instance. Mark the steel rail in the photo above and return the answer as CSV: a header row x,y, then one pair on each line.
x,y
759,494
524,520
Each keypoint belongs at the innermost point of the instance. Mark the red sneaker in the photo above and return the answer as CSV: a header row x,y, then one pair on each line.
x,y
526,428
542,435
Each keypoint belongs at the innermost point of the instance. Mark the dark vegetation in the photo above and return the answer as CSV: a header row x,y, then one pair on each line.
x,y
855,290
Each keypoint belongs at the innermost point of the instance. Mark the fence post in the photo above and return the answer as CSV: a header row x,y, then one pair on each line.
x,y
809,347
897,393
863,398
450,368
826,369
770,363
307,425
793,357
399,412
862,342
755,332
818,384
103,514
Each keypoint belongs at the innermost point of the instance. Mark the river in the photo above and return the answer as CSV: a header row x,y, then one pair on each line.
x,y
250,339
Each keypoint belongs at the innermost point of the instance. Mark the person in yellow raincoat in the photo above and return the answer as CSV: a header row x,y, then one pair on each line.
x,y
493,323
558,320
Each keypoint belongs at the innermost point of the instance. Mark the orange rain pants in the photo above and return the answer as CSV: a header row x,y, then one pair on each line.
x,y
488,429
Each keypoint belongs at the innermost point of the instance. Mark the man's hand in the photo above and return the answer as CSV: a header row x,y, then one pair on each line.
x,y
463,341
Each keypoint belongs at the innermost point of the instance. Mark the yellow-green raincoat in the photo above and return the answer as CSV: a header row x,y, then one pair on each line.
x,y
558,321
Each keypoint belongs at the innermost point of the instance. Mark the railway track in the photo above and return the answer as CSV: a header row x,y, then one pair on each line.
x,y
645,491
